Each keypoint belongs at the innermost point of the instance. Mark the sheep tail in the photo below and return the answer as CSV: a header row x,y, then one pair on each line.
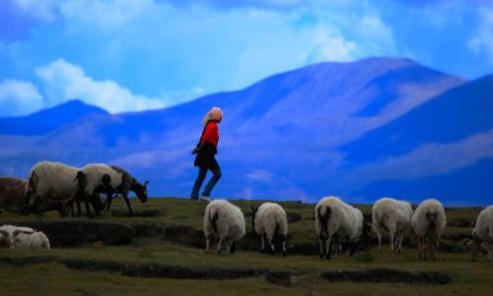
x,y
213,219
324,218
32,182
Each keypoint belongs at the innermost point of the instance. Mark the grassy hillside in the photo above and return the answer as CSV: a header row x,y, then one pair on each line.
x,y
163,255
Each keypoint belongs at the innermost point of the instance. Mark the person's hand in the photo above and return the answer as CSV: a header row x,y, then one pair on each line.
x,y
195,150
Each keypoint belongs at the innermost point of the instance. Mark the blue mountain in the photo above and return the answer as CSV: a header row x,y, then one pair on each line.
x,y
379,126
45,121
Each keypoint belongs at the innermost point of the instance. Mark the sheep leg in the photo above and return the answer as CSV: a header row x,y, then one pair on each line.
x,y
88,209
271,243
284,251
109,199
125,197
401,237
321,241
207,244
328,246
219,246
262,243
379,238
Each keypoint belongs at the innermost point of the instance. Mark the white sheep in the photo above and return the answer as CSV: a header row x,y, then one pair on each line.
x,y
16,237
337,220
483,233
269,220
224,221
394,216
98,178
51,181
428,223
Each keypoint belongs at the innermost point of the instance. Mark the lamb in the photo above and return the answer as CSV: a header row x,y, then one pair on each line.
x,y
12,194
128,184
394,216
428,223
269,220
224,221
15,237
337,220
482,234
53,182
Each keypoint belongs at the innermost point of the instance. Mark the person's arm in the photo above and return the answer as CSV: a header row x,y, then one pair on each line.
x,y
199,146
208,134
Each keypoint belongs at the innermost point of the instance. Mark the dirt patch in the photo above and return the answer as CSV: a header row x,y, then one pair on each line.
x,y
388,275
143,270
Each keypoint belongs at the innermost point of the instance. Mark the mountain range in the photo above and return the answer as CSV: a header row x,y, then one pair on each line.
x,y
362,130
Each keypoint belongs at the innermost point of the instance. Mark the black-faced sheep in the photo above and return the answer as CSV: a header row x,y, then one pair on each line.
x,y
428,223
269,221
128,184
394,216
15,237
225,222
337,220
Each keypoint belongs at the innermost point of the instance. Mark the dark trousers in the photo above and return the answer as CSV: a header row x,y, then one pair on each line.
x,y
216,175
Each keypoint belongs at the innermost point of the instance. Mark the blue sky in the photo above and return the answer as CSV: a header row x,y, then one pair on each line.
x,y
126,55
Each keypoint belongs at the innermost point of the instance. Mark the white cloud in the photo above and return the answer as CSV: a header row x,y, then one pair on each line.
x,y
38,9
19,98
64,81
330,46
482,41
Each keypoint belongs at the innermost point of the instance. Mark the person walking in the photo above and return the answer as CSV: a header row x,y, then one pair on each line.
x,y
206,150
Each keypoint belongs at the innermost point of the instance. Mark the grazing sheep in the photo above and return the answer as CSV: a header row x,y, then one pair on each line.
x,y
337,220
224,221
128,184
482,234
51,181
15,237
269,220
394,216
12,194
428,223
97,178
54,186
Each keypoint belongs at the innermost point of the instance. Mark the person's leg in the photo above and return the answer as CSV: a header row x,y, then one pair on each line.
x,y
216,175
198,183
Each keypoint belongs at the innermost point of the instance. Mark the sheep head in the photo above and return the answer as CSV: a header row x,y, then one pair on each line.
x,y
139,189
5,240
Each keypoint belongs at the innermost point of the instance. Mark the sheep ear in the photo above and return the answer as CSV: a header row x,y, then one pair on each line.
x,y
4,233
146,182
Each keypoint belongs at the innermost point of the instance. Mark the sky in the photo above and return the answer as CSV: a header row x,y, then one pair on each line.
x,y
132,55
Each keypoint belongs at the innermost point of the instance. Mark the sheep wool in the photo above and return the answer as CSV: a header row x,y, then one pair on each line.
x,y
270,220
394,216
336,219
224,221
428,223
483,232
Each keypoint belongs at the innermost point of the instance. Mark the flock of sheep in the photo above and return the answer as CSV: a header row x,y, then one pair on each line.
x,y
58,186
337,223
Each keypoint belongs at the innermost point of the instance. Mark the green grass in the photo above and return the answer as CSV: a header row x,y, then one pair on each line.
x,y
475,278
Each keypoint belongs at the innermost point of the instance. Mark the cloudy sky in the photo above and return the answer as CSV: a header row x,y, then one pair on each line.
x,y
126,55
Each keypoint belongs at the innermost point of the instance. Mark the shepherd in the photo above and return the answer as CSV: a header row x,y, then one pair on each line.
x,y
206,150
